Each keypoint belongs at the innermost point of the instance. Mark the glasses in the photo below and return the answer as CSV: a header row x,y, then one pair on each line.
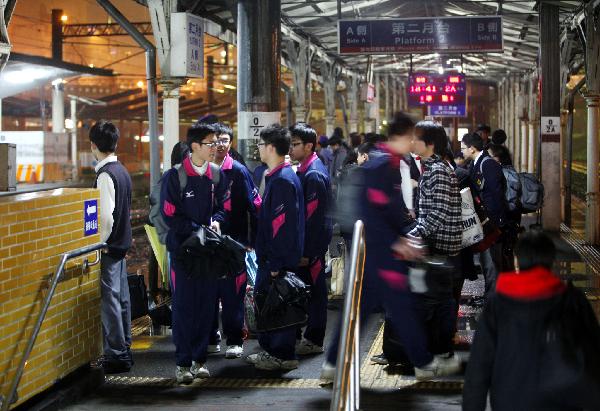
x,y
223,142
295,144
210,145
261,144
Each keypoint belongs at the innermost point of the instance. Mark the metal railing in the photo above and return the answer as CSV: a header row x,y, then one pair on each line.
x,y
346,383
10,398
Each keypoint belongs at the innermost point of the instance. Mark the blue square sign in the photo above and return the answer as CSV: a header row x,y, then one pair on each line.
x,y
90,217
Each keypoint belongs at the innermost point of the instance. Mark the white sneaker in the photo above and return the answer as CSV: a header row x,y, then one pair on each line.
x,y
199,370
183,375
253,358
306,347
327,372
234,351
437,368
265,361
213,349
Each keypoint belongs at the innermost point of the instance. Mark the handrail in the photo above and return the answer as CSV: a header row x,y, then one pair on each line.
x,y
5,403
346,384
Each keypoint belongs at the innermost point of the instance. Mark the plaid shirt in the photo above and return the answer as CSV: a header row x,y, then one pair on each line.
x,y
440,216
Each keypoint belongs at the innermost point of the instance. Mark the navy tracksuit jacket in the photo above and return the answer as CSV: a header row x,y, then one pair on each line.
x,y
241,206
316,186
279,244
385,283
194,298
488,180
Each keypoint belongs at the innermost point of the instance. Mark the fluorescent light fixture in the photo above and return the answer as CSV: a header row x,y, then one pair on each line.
x,y
24,76
161,138
68,124
229,86
145,139
441,70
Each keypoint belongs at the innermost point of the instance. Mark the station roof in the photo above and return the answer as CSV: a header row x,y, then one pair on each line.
x,y
317,20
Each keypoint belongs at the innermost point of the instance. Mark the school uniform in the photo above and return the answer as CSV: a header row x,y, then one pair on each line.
x,y
385,283
184,211
279,245
240,205
316,187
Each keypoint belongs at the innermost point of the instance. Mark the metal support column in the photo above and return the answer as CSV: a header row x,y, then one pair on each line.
x,y
352,95
170,123
57,40
299,61
550,143
569,151
524,142
395,91
259,65
376,105
386,82
150,52
74,171
516,122
328,72
58,106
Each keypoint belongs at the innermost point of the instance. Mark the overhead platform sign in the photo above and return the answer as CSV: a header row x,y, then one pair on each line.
x,y
421,35
444,95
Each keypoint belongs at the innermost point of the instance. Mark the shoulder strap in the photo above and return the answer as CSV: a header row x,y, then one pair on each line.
x,y
483,160
216,173
182,178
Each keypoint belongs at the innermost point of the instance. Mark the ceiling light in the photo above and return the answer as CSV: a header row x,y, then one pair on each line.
x,y
223,53
64,18
229,86
441,70
224,77
140,84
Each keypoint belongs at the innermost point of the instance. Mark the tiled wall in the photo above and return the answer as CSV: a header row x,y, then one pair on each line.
x,y
35,229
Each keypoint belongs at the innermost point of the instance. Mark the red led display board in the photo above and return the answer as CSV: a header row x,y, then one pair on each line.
x,y
444,95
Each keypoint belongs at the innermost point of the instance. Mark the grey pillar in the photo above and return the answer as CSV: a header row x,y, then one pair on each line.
x,y
386,82
170,122
377,104
394,95
74,171
550,144
328,72
299,58
58,106
352,95
259,64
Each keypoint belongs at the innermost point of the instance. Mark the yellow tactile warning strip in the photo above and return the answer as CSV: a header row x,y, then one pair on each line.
x,y
372,376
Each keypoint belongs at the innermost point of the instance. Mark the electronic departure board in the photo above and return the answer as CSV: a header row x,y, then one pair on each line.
x,y
444,95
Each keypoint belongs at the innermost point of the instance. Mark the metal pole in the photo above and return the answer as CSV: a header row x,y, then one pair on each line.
x,y
550,93
592,231
170,123
259,65
150,81
569,151
58,106
74,171
57,41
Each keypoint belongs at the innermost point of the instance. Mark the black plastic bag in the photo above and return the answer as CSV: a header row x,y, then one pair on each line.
x,y
207,253
285,304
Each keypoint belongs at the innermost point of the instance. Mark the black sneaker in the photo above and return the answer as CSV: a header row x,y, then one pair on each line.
x,y
115,366
379,359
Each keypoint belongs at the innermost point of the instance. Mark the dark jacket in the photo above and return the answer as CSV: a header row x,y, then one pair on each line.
x,y
317,201
200,203
488,179
506,356
241,203
280,236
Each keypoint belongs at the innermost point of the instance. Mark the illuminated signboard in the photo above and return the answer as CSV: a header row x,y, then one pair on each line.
x,y
444,95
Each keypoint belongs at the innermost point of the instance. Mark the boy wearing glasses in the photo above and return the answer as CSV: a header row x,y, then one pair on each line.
x,y
184,210
241,205
316,186
279,240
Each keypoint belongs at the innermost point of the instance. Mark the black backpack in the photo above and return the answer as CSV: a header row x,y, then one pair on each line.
x,y
155,216
514,190
532,196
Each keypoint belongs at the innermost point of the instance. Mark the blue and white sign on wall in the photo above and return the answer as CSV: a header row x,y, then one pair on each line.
x,y
90,217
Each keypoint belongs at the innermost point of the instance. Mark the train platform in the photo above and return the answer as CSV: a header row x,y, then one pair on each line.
x,y
236,385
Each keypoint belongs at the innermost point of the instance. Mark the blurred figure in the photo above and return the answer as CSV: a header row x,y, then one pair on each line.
x,y
340,152
355,140
385,283
536,345
499,137
484,131
324,151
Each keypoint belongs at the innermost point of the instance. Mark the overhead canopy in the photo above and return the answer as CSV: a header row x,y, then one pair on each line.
x,y
23,73
317,20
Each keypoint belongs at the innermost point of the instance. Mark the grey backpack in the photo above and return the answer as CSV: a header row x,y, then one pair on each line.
x,y
155,216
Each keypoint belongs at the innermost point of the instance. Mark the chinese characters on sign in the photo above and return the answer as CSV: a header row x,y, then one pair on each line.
x,y
443,94
452,34
187,46
90,217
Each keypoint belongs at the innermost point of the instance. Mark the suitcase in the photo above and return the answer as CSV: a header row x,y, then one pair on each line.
x,y
137,296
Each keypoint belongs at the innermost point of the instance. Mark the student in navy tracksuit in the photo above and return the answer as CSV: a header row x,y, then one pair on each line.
x,y
317,232
184,211
487,180
385,282
241,206
279,240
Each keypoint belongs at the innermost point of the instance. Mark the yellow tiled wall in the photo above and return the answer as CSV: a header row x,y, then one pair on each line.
x,y
35,230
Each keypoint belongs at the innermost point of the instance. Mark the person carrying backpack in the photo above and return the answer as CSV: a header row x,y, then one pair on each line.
x,y
199,202
513,195
536,342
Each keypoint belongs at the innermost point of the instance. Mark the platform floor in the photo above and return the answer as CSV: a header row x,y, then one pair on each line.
x,y
235,385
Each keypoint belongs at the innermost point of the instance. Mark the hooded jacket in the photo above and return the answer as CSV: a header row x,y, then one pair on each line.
x,y
507,353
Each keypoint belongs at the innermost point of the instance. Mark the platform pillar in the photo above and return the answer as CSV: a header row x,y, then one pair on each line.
x,y
352,95
58,106
170,123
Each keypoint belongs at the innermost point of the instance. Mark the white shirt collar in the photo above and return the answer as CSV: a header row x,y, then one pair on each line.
x,y
108,159
477,157
200,170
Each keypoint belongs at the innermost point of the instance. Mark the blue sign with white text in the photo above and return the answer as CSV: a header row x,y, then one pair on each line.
x,y
90,217
478,34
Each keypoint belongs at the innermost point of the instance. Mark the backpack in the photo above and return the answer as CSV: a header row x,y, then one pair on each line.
x,y
513,190
349,198
532,196
155,216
